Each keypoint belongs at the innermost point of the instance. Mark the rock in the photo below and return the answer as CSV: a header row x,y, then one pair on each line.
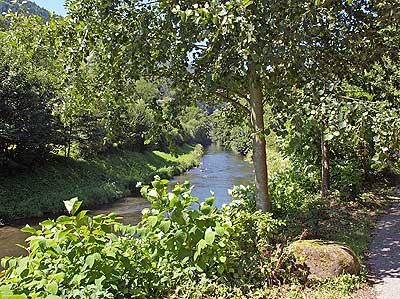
x,y
325,259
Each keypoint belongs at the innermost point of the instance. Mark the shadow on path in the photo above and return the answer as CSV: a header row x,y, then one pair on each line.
x,y
384,254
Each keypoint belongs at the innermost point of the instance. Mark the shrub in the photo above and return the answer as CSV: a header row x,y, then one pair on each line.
x,y
347,177
290,189
28,129
179,241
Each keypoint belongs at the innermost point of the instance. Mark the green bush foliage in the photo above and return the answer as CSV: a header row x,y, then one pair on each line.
x,y
180,241
28,129
348,177
39,90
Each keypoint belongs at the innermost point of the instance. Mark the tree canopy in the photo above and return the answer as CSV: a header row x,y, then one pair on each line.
x,y
248,53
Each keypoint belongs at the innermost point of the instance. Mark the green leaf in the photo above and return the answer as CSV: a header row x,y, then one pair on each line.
x,y
209,236
181,236
152,220
64,220
47,223
328,137
90,259
247,2
221,244
201,244
165,225
376,157
210,200
28,229
52,288
99,282
205,208
58,277
196,255
72,205
13,296
220,230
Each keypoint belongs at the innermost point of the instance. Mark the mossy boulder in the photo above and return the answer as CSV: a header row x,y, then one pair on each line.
x,y
325,259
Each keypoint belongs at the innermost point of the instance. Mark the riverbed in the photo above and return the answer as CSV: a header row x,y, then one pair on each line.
x,y
219,171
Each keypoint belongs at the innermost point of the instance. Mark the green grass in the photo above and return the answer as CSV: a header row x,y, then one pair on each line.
x,y
97,181
275,160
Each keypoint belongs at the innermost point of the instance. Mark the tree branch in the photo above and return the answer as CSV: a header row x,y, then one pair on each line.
x,y
233,102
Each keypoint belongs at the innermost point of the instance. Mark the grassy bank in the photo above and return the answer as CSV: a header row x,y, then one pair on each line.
x,y
95,181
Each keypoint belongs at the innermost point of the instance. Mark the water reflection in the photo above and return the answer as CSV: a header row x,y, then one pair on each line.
x,y
130,209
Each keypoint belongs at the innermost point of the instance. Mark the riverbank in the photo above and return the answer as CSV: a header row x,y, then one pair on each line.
x,y
219,171
96,181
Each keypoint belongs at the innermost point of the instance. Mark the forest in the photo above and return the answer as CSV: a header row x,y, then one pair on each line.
x,y
116,98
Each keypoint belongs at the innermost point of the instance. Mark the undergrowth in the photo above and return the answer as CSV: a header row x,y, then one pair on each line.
x,y
175,245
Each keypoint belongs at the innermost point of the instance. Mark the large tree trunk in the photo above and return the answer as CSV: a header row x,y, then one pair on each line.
x,y
259,144
325,167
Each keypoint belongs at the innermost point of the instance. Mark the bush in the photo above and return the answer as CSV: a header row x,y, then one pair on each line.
x,y
290,189
28,129
76,257
347,177
175,245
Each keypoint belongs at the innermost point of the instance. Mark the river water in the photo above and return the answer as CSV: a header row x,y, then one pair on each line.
x,y
219,171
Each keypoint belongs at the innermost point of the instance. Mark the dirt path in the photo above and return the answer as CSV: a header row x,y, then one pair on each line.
x,y
384,256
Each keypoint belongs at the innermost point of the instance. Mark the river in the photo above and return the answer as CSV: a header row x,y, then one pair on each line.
x,y
219,171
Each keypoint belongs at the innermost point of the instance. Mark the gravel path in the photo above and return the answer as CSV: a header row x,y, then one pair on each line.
x,y
384,254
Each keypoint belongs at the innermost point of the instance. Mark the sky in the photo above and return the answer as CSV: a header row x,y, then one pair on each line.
x,y
52,5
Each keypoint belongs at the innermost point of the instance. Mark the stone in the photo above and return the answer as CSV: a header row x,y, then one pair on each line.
x,y
325,259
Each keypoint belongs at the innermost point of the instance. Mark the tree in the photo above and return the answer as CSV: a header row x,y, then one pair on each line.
x,y
336,53
236,51
28,130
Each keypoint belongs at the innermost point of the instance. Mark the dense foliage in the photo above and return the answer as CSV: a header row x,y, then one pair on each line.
x,y
27,126
231,130
36,70
322,89
91,257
